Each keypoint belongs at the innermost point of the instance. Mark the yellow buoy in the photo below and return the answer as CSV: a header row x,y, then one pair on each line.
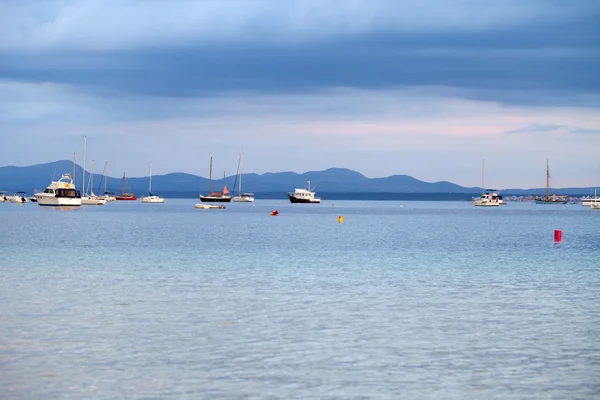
x,y
341,219
20,204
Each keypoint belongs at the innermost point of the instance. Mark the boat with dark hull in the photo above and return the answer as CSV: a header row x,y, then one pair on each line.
x,y
215,197
125,196
303,196
548,198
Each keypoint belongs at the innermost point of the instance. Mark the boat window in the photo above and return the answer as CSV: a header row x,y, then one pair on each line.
x,y
70,193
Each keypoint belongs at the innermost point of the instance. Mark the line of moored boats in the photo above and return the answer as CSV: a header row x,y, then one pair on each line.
x,y
491,198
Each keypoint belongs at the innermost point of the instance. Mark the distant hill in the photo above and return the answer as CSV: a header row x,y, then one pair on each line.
x,y
330,181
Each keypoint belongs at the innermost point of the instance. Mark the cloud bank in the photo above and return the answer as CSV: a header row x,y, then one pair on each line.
x,y
383,87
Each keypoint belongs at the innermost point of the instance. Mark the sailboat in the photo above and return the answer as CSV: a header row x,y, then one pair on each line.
x,y
216,197
242,197
124,195
152,198
108,196
89,199
548,198
489,197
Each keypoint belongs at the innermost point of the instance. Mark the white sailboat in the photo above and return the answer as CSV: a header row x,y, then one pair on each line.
x,y
242,197
489,197
109,197
89,199
152,198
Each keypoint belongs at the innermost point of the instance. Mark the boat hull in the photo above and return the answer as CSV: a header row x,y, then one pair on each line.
x,y
214,199
296,200
589,202
92,201
551,202
152,199
125,198
51,201
243,199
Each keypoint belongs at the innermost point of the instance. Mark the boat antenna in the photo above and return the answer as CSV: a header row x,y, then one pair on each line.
x,y
74,168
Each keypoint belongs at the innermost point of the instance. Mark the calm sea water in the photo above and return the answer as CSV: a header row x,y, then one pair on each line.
x,y
415,300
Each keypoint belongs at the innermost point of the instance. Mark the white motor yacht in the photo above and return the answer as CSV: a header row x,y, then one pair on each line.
x,y
60,193
489,198
303,196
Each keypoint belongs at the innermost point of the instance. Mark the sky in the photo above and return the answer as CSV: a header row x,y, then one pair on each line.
x,y
426,88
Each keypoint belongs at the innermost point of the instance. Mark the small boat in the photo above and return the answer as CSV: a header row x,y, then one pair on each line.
x,y
303,195
60,193
32,199
108,196
548,198
595,206
489,197
246,197
208,206
589,200
125,196
216,197
18,197
90,199
151,198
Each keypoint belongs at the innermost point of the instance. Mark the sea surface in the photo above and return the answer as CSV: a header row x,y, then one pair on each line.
x,y
403,300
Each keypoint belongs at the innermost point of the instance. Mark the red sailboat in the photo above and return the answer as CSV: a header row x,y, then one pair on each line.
x,y
124,195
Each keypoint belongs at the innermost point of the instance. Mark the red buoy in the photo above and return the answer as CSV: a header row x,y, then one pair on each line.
x,y
274,213
557,235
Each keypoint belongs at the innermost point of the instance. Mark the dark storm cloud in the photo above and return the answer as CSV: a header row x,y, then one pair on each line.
x,y
534,63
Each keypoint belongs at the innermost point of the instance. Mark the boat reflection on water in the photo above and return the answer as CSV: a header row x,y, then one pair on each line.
x,y
63,208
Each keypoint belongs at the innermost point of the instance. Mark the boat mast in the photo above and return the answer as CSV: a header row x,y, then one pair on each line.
x,y
482,174
547,179
240,187
150,184
210,177
105,172
224,186
123,184
74,169
92,179
83,173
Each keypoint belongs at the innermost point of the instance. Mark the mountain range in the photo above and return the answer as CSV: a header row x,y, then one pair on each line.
x,y
270,185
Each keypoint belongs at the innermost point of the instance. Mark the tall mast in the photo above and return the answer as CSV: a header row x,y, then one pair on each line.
x,y
210,177
123,184
83,173
547,179
74,169
240,187
224,182
105,172
150,185
92,179
482,174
